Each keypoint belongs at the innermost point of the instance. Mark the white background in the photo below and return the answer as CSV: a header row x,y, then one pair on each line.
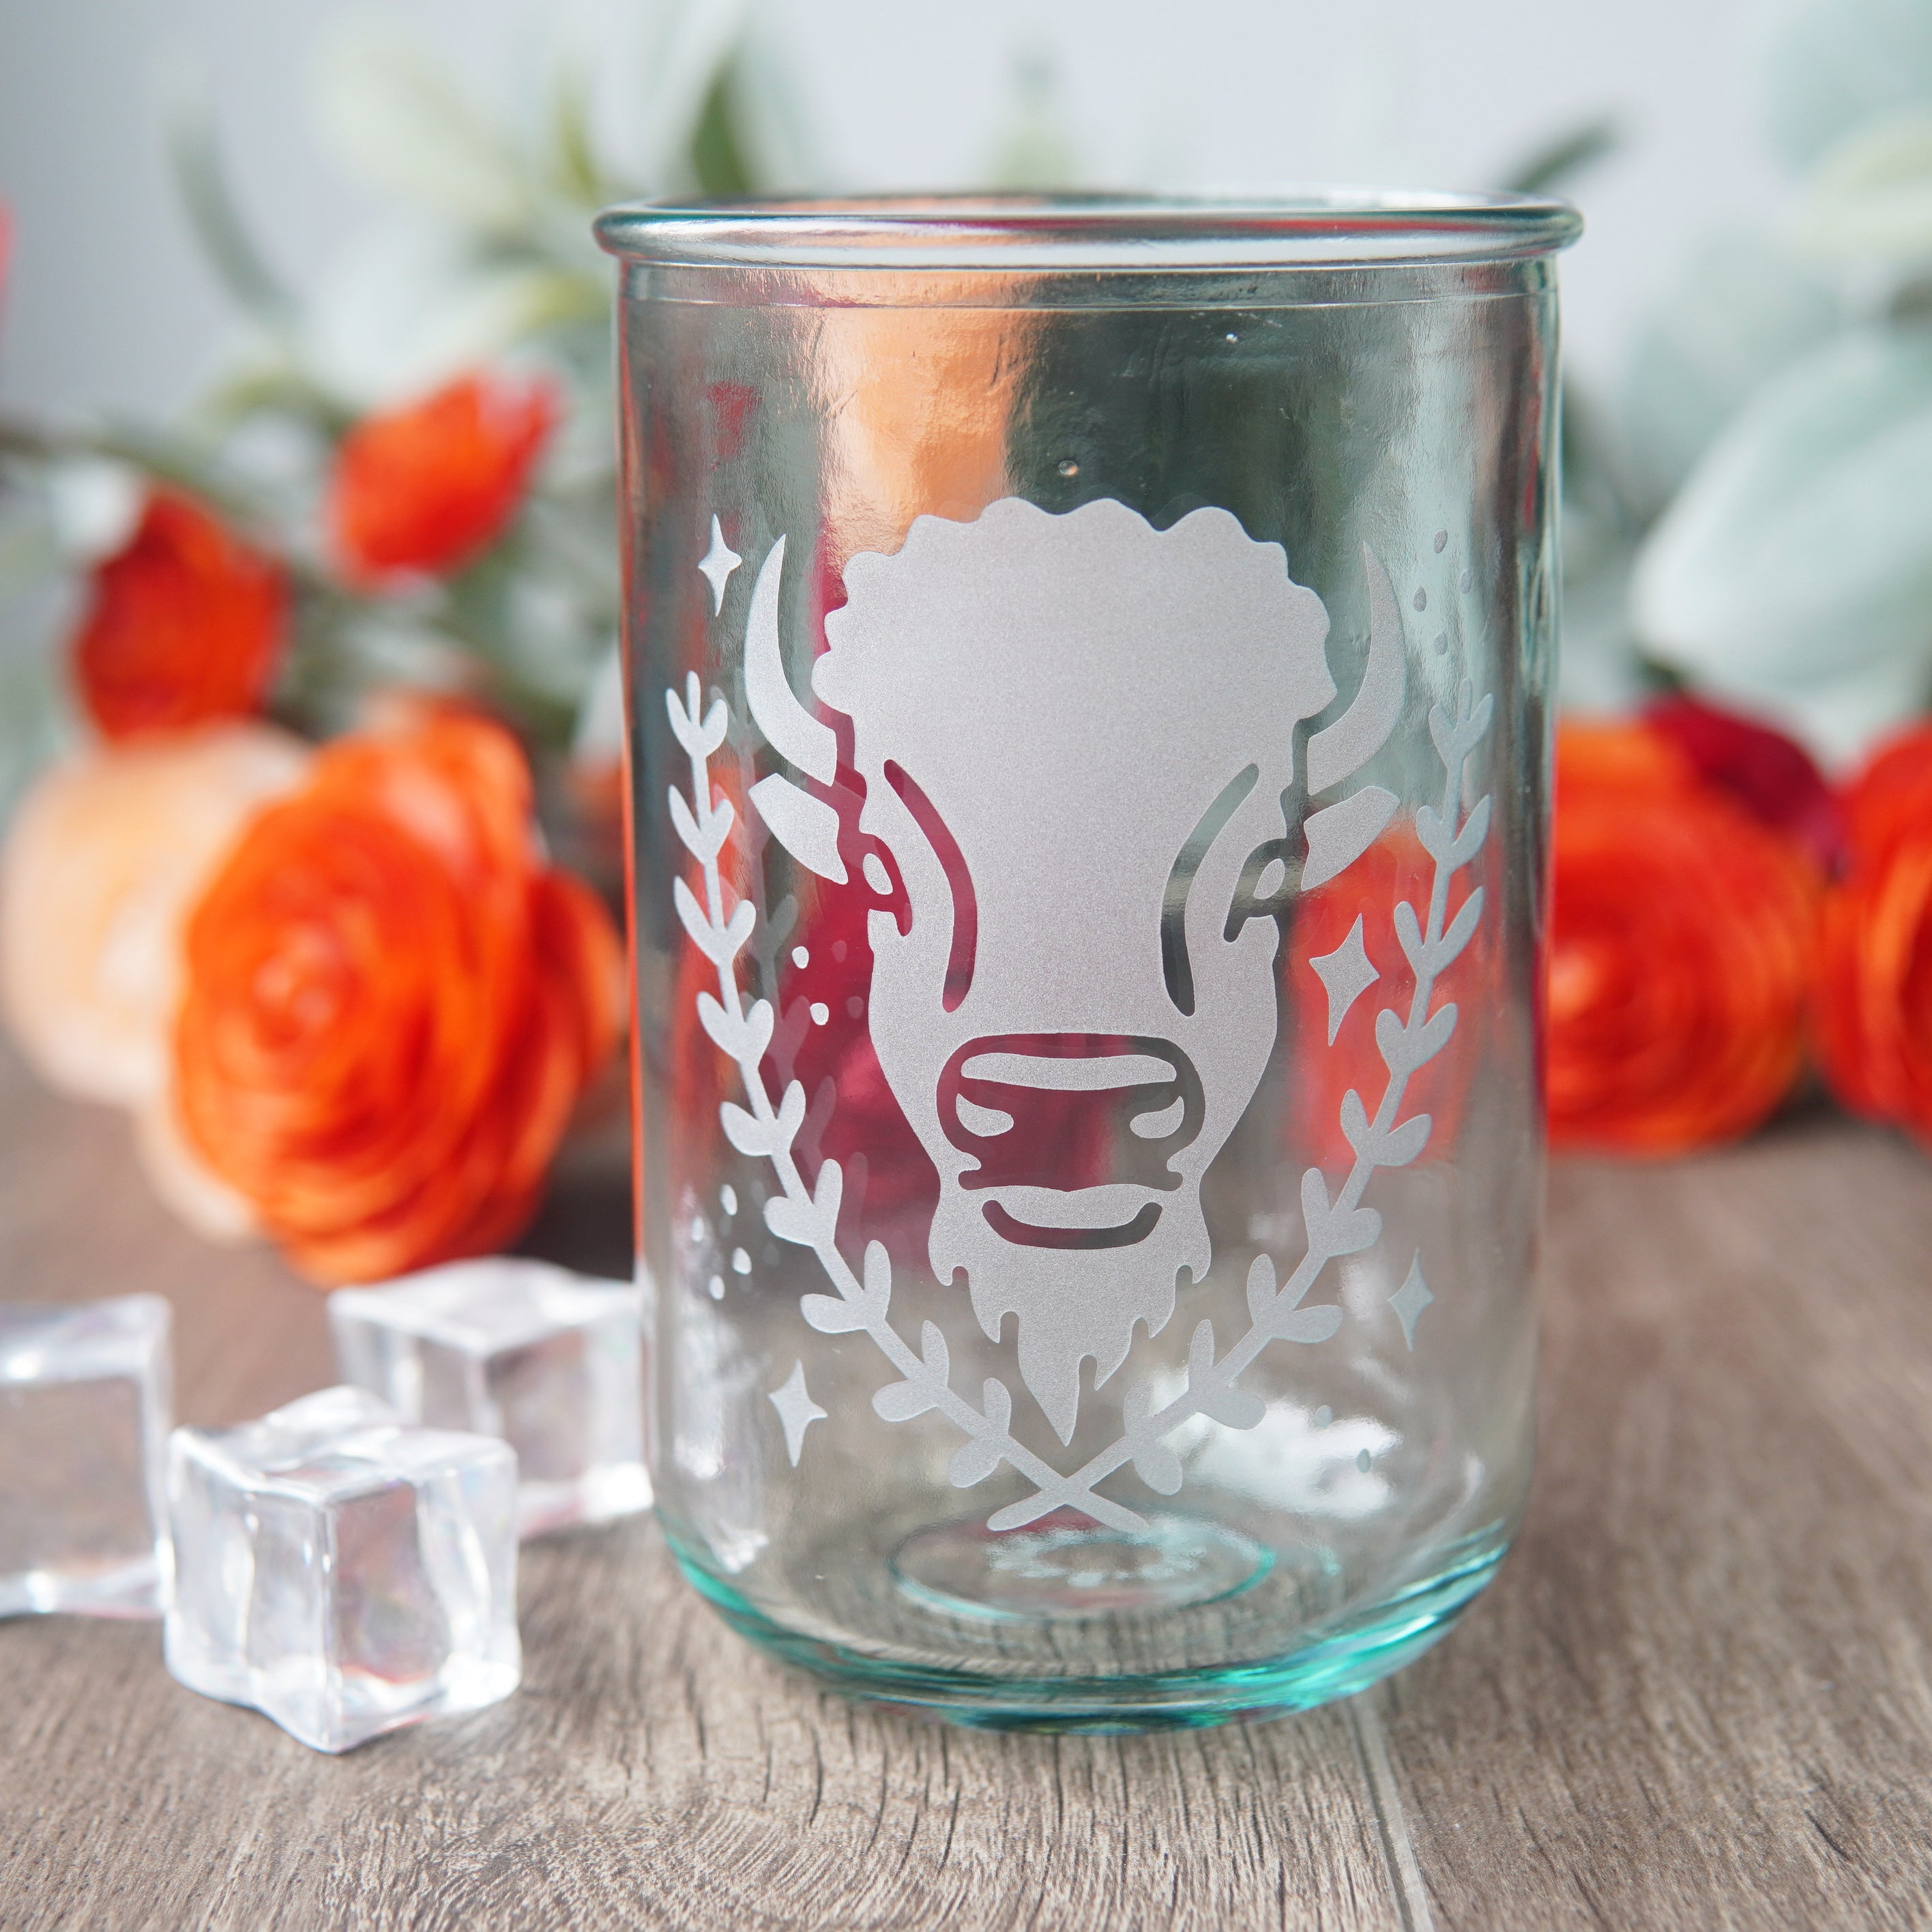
x,y
109,305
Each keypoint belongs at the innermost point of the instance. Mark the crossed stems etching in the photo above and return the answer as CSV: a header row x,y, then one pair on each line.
x,y
1336,1229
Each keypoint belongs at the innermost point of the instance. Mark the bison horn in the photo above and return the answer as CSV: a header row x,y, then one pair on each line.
x,y
807,827
790,730
1362,730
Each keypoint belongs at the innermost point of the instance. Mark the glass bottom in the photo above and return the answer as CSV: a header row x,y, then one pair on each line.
x,y
1067,1565
1064,1571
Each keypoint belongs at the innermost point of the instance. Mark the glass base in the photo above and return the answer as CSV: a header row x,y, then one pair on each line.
x,y
1067,1565
1068,1570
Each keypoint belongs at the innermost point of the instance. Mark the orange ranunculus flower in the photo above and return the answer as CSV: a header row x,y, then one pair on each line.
x,y
1682,946
1875,990
183,625
393,1005
427,488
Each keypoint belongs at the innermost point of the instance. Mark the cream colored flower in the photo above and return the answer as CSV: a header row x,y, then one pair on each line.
x,y
103,862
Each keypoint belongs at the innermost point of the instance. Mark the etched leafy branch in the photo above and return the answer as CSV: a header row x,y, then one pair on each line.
x,y
809,1216
1337,1227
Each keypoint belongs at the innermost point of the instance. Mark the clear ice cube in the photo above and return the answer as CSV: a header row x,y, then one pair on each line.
x,y
342,1570
551,1361
84,1402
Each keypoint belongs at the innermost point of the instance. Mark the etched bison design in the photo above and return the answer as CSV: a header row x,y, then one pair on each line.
x,y
1076,735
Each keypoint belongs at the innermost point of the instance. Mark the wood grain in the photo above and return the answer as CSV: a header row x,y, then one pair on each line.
x,y
1697,1696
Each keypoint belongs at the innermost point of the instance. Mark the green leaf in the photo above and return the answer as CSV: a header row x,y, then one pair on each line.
x,y
1793,573
717,151
1738,310
1871,196
1546,169
396,118
579,177
201,179
1826,67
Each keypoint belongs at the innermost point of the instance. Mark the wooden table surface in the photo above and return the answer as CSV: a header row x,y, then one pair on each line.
x,y
1697,1696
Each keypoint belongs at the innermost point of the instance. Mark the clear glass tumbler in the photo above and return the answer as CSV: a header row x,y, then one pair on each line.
x,y
1088,667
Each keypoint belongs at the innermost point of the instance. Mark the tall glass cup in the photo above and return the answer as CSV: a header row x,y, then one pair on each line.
x,y
1088,667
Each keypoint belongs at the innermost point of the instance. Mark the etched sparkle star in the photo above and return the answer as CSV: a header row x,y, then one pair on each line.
x,y
1408,1301
720,560
796,1410
1347,973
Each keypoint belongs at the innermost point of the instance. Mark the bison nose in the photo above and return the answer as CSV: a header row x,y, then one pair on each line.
x,y
1069,1111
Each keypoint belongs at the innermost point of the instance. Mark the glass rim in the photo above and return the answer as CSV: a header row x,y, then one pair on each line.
x,y
1318,227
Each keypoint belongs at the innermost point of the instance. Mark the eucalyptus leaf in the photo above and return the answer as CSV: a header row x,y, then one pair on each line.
x,y
406,307
208,199
1739,310
656,85
1871,197
717,153
1034,153
1794,571
1827,66
394,116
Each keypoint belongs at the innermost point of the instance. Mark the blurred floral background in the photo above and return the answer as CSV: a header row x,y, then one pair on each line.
x,y
309,710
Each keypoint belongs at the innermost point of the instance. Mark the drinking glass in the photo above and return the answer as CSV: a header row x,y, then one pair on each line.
x,y
1088,669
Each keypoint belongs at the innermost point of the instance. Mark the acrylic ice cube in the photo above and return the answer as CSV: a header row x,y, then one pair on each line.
x,y
551,1361
84,1401
343,1571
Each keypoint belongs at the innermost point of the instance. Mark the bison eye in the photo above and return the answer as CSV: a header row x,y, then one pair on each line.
x,y
1175,966
1268,882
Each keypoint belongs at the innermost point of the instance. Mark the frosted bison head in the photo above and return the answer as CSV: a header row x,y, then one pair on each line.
x,y
1075,733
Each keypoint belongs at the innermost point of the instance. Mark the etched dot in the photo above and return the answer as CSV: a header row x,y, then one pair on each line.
x,y
741,1262
838,951
715,1288
1442,541
799,957
1068,467
1324,1416
1441,643
1362,1462
1422,600
727,1198
1468,582
856,1007
877,877
821,1013
698,1229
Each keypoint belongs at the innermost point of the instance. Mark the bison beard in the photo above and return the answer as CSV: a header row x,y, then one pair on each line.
x,y
1072,1304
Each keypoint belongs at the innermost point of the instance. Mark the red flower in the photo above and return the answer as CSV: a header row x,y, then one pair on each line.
x,y
1682,947
392,1006
183,625
1773,777
1875,992
426,489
